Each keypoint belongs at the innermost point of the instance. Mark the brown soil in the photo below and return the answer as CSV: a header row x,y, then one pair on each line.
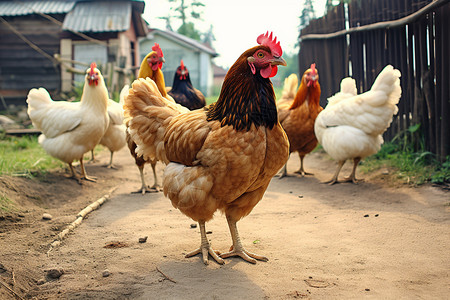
x,y
378,239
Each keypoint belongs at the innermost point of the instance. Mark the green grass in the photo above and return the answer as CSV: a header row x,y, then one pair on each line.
x,y
6,204
23,156
406,154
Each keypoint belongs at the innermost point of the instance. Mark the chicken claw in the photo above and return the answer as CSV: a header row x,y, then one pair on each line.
x,y
244,254
205,248
237,249
352,177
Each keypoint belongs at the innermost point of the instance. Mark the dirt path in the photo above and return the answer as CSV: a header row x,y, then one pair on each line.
x,y
372,240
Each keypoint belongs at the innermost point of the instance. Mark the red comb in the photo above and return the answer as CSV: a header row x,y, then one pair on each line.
x,y
182,64
267,40
93,66
313,68
158,50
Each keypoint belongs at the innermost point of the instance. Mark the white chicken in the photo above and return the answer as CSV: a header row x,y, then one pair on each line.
x,y
115,136
70,129
351,125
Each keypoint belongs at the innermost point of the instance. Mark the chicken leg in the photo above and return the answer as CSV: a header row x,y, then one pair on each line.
x,y
155,187
144,187
74,174
237,249
301,171
335,177
110,165
205,247
83,172
283,172
352,177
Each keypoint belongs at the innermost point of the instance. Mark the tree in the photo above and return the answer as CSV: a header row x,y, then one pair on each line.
x,y
186,11
308,13
292,66
328,5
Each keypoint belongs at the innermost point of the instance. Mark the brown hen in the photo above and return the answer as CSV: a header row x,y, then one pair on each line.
x,y
221,157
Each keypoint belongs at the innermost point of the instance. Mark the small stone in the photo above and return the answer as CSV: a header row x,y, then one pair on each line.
x,y
194,225
300,196
54,273
47,216
376,215
143,239
40,282
367,290
106,273
366,216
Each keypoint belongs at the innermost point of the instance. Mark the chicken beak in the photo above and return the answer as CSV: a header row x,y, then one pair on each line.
x,y
278,60
161,59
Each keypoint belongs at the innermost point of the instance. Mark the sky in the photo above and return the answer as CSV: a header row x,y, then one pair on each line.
x,y
237,23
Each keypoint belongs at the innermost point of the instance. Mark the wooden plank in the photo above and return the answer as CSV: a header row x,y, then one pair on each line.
x,y
379,25
21,132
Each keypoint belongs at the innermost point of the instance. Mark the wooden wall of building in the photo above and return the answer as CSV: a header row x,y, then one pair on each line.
x,y
22,67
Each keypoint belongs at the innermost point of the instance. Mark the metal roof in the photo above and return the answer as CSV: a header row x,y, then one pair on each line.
x,y
99,17
22,8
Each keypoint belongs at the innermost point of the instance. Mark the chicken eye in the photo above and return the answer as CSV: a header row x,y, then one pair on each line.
x,y
260,54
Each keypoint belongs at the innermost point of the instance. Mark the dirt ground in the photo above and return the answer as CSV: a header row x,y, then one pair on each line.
x,y
375,240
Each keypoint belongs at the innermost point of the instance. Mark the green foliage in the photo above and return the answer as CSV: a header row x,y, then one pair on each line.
x,y
292,66
187,12
6,204
188,29
406,152
23,156
308,13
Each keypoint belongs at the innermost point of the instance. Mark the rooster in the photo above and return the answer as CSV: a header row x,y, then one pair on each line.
x,y
351,125
150,67
70,129
221,157
298,113
183,92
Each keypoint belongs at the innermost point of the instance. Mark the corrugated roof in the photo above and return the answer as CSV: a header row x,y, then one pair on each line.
x,y
99,17
22,8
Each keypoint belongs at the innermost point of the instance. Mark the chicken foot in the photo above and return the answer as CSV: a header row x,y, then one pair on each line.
x,y
155,187
110,165
205,247
93,159
352,177
335,176
302,171
83,172
144,187
237,249
74,174
283,172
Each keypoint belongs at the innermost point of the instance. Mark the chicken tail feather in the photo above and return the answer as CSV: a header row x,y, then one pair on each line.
x,y
289,88
150,115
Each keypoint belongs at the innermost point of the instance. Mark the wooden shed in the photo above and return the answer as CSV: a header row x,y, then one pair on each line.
x,y
196,56
33,32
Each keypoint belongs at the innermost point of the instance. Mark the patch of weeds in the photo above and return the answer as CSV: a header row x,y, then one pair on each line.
x,y
6,204
23,156
406,154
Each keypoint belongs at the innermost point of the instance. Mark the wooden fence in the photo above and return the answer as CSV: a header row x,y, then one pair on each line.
x,y
360,38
